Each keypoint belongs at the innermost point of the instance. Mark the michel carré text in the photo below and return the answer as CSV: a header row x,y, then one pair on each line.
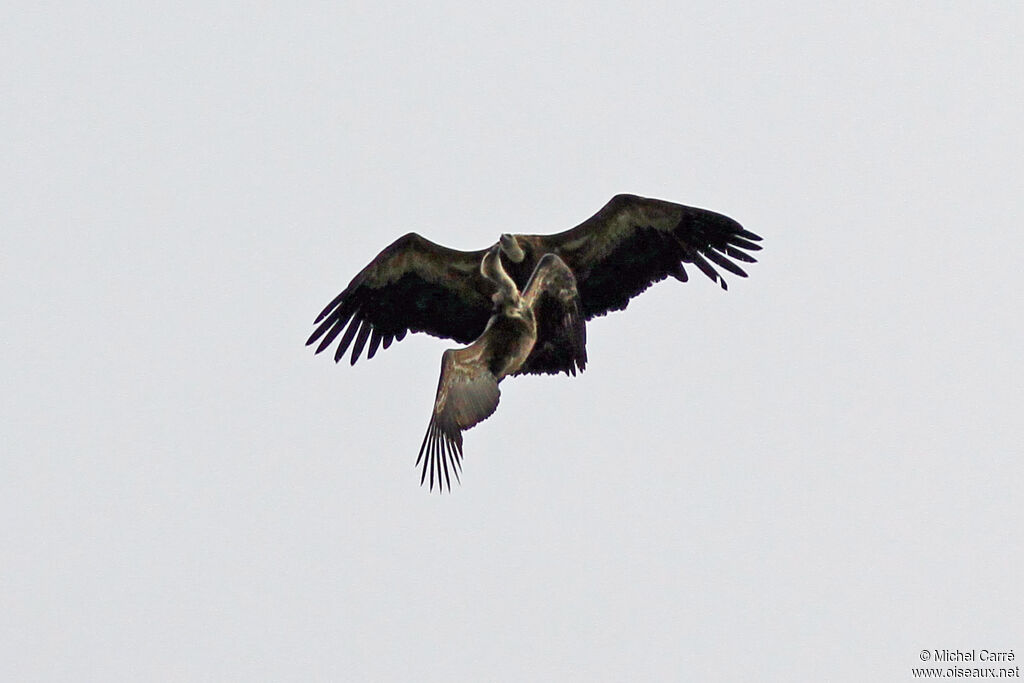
x,y
972,656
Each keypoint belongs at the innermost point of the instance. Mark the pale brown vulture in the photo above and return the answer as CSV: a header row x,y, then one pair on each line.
x,y
419,286
468,389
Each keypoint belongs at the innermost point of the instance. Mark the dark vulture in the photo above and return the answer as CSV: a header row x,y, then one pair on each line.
x,y
520,304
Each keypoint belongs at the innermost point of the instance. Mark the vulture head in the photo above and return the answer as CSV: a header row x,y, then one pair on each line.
x,y
511,247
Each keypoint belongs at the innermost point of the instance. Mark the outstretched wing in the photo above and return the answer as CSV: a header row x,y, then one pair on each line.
x,y
413,285
561,330
633,242
467,393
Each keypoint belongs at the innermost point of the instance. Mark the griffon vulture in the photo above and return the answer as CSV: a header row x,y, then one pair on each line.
x,y
419,286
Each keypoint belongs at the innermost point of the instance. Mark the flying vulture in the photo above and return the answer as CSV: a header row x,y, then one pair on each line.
x,y
520,305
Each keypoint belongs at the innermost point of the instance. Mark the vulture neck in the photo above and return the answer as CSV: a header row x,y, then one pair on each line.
x,y
491,268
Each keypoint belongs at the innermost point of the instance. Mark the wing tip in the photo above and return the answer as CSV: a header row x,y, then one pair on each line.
x,y
441,450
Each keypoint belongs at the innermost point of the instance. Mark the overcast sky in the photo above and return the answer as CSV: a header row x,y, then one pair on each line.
x,y
813,476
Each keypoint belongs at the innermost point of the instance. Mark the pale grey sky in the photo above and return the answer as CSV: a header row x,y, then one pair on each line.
x,y
812,476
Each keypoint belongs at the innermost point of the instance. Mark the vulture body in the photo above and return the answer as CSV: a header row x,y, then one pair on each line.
x,y
467,392
419,286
